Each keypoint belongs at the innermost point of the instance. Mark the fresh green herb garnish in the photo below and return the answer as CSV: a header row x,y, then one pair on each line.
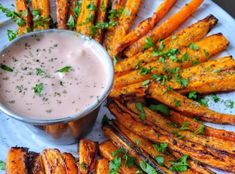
x,y
160,78
160,160
118,152
38,88
206,53
115,60
129,161
77,9
144,71
229,104
181,165
147,168
146,83
11,34
200,130
160,147
5,67
185,57
2,165
127,12
149,43
203,102
114,165
38,20
177,134
185,126
216,70
192,95
177,103
71,23
65,69
39,72
183,82
215,98
193,46
91,7
160,108
140,108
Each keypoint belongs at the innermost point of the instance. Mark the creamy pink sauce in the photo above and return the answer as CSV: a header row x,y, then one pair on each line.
x,y
36,89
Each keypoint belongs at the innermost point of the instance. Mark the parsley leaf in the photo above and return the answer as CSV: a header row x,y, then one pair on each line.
x,y
71,23
185,126
229,104
203,102
163,109
215,98
149,43
160,78
206,53
192,95
160,147
146,83
11,35
160,160
2,165
5,67
193,46
65,69
77,9
114,165
180,165
115,60
91,7
118,152
39,72
140,108
200,130
38,20
177,103
144,71
147,168
38,88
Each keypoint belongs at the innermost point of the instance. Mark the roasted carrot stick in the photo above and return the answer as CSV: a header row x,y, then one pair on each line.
x,y
101,17
37,167
22,8
117,8
70,163
62,9
207,47
193,33
86,19
211,142
166,28
145,26
125,22
102,166
187,106
106,150
194,125
16,160
87,155
184,147
41,14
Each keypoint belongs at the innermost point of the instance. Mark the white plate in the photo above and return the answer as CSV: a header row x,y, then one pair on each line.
x,y
14,134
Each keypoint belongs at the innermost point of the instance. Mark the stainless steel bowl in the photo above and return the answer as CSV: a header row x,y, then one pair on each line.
x,y
65,130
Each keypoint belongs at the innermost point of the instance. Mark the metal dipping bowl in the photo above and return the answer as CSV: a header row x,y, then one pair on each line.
x,y
65,130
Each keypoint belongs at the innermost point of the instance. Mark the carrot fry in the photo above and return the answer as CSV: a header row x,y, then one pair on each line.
x,y
101,16
43,8
86,18
174,144
22,8
149,148
211,142
202,78
70,163
145,26
187,106
125,22
165,29
62,9
87,154
183,38
107,148
207,47
194,125
37,166
102,166
16,160
117,7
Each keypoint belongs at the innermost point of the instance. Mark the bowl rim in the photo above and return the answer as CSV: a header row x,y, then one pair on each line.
x,y
74,116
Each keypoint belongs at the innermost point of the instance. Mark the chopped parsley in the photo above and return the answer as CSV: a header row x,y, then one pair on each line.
x,y
193,46
215,98
185,126
177,103
149,43
203,102
163,109
5,67
129,161
216,71
146,83
192,95
160,78
91,7
114,165
177,134
200,130
38,20
11,34
65,69
38,88
115,60
77,9
39,72
2,165
180,165
160,147
147,168
140,108
206,53
229,104
144,71
71,23
160,160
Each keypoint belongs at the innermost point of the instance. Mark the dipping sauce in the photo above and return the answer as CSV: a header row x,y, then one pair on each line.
x,y
51,75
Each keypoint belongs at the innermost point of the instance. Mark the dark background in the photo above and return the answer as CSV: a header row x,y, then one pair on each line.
x,y
227,5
